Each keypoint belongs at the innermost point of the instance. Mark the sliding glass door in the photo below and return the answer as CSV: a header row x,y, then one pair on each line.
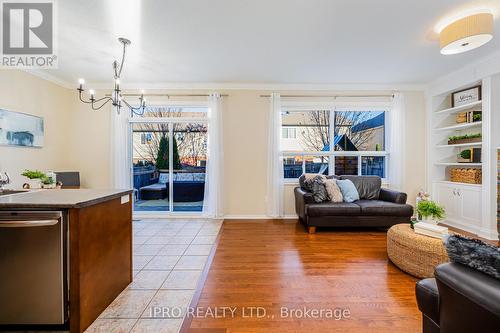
x,y
150,166
189,147
169,160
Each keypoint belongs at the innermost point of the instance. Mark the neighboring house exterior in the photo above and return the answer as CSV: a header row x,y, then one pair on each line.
x,y
374,129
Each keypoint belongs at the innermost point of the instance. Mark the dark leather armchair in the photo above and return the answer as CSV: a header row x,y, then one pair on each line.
x,y
459,299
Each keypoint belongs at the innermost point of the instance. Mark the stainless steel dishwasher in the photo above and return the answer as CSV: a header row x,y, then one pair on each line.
x,y
33,268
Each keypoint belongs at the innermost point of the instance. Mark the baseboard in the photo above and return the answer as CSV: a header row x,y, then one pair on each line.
x,y
259,217
488,234
463,226
165,216
140,216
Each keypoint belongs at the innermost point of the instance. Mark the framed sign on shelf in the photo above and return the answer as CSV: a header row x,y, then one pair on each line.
x,y
466,96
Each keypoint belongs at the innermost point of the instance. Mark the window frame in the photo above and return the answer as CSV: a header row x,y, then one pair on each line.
x,y
332,108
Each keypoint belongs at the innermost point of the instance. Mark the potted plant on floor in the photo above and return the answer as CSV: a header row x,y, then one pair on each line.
x,y
430,211
34,178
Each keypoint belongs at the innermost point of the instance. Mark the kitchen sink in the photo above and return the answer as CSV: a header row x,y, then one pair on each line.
x,y
9,192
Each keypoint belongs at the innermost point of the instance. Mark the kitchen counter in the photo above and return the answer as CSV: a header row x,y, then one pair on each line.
x,y
62,199
99,247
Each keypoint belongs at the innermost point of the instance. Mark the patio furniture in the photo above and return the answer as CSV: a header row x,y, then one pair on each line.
x,y
188,191
188,187
157,191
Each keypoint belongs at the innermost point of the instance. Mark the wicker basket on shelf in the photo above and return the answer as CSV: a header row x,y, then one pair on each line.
x,y
466,175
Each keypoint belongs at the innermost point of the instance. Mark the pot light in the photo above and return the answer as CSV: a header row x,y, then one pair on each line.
x,y
466,34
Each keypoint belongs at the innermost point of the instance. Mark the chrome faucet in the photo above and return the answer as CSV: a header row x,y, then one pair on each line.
x,y
4,180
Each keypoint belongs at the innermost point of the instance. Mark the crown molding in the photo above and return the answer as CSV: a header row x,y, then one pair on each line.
x,y
43,74
264,86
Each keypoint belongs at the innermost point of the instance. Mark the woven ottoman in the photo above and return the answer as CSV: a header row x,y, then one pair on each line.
x,y
415,254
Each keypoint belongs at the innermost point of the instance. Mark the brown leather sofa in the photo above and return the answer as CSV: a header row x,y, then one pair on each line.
x,y
388,209
459,300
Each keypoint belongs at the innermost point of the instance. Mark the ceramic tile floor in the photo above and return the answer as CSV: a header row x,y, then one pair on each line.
x,y
169,256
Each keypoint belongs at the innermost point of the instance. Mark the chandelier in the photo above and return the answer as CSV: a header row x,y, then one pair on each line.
x,y
116,97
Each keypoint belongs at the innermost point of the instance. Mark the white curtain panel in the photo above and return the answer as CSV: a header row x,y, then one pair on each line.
x,y
120,150
397,126
214,179
274,197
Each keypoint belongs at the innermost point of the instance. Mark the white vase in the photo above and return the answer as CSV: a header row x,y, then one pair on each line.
x,y
35,183
431,221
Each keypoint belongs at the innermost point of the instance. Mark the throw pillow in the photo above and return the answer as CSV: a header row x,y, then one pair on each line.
x,y
368,186
349,191
318,189
475,254
306,181
333,190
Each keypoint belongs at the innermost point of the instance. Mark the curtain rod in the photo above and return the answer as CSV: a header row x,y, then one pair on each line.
x,y
170,95
331,96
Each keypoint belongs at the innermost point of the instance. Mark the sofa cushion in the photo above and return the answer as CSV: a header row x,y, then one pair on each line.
x,y
184,177
349,191
163,178
198,177
368,186
333,209
383,208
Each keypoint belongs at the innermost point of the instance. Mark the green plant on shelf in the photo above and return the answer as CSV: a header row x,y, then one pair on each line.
x,y
477,117
465,154
463,137
33,174
430,209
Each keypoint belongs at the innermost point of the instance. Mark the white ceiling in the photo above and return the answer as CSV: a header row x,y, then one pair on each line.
x,y
261,41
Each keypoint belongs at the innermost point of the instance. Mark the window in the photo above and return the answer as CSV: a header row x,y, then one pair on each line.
x,y
146,138
340,142
288,133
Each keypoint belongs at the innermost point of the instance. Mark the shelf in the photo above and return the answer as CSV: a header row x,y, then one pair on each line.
x,y
459,127
459,108
457,183
460,145
459,164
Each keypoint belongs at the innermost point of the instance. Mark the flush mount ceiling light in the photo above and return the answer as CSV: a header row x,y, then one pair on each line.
x,y
116,97
466,34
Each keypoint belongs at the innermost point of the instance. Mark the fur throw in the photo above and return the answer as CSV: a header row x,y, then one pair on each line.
x,y
475,254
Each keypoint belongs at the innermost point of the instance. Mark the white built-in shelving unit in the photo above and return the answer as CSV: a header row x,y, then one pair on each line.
x,y
464,203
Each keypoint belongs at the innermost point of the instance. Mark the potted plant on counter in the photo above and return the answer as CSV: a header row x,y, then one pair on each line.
x,y
48,182
34,178
430,211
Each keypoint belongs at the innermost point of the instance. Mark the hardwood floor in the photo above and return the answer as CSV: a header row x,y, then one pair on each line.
x,y
274,264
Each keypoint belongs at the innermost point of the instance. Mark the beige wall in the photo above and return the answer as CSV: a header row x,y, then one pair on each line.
x,y
22,92
89,144
77,138
415,152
